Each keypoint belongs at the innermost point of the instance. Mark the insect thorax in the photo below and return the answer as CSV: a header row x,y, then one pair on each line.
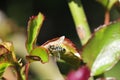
x,y
55,49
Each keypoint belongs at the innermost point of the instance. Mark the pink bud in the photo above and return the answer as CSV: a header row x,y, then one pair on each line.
x,y
83,73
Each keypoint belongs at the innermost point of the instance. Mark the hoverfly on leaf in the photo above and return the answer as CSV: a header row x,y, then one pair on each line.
x,y
61,46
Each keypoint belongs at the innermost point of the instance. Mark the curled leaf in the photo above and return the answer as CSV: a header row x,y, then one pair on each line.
x,y
63,48
64,43
38,54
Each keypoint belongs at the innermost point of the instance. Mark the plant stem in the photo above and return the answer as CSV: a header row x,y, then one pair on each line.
x,y
20,76
80,20
107,17
27,70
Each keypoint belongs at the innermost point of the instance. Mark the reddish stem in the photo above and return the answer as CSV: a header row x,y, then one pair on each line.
x,y
27,70
107,17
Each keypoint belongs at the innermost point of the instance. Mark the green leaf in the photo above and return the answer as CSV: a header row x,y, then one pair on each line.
x,y
102,51
114,72
3,67
34,26
38,54
107,3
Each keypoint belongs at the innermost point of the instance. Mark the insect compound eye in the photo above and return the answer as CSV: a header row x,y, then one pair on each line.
x,y
63,50
60,49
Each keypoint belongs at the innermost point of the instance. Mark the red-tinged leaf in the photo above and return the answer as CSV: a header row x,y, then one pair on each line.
x,y
64,43
33,29
64,49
